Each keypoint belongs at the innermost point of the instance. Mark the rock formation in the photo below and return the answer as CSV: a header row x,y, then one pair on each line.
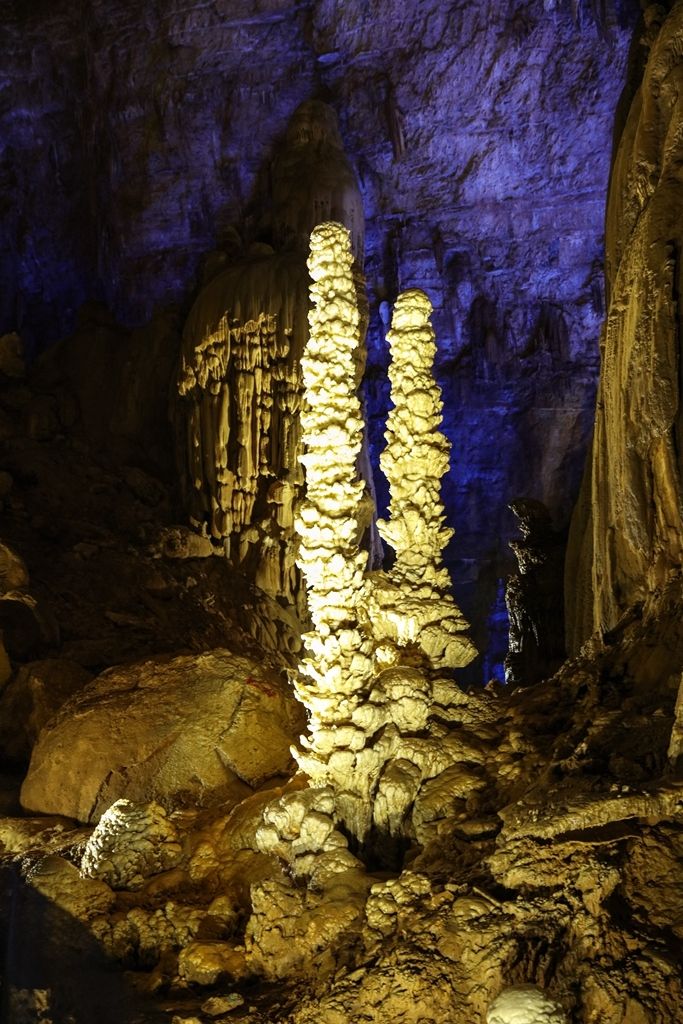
x,y
497,213
240,371
338,666
628,529
100,748
379,765
490,856
412,604
534,597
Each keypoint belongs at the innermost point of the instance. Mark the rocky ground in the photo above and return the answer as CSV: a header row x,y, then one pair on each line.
x,y
558,864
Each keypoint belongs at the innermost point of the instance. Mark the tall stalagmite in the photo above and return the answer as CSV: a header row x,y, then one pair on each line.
x,y
368,679
338,665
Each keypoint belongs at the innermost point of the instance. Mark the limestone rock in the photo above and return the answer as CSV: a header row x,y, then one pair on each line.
x,y
181,542
290,929
33,696
35,837
534,597
337,668
415,605
28,626
240,377
217,1005
627,528
186,728
13,571
146,935
130,843
204,963
62,883
524,1005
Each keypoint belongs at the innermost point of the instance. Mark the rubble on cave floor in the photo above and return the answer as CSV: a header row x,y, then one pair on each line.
x,y
561,871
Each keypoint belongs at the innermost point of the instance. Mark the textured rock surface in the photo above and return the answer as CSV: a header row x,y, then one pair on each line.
x,y
482,159
534,597
188,729
539,831
411,605
524,1005
628,529
130,843
240,376
30,699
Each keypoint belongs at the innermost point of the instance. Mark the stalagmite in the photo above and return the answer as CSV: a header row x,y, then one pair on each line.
x,y
338,666
524,1004
372,741
412,604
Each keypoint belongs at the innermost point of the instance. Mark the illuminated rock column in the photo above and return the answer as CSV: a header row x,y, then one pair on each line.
x,y
412,604
337,669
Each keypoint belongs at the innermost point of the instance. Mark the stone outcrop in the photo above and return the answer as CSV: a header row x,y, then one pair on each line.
x,y
627,530
193,728
34,694
131,842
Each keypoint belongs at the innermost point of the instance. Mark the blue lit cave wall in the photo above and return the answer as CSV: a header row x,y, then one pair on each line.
x,y
134,136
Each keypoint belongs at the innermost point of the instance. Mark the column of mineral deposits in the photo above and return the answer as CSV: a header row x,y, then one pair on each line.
x,y
337,667
415,598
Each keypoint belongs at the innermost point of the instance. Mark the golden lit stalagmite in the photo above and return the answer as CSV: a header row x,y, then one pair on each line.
x,y
412,605
373,738
338,667
390,752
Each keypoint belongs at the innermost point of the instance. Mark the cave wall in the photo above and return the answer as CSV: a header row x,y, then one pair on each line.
x,y
625,541
134,139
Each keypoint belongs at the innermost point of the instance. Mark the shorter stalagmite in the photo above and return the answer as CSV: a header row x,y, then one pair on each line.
x,y
412,605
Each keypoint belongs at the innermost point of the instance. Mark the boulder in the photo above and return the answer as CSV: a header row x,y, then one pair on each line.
x,y
31,698
191,729
204,963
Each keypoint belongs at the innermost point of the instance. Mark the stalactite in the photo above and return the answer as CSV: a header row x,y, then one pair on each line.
x,y
240,378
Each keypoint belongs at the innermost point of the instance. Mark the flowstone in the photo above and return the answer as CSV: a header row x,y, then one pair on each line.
x,y
524,1005
240,378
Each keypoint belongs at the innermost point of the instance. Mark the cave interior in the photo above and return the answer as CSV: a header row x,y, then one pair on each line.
x,y
341,505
